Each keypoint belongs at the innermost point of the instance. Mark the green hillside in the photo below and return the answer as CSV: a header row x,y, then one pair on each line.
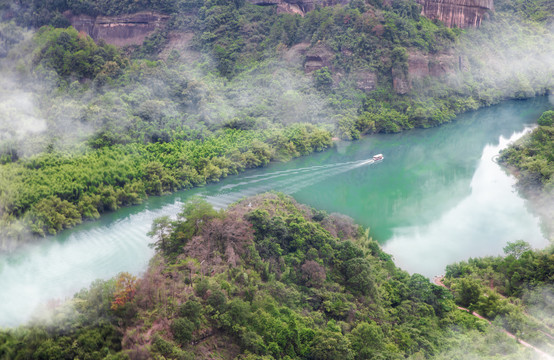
x,y
266,279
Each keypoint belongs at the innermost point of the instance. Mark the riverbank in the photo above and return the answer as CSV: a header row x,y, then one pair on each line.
x,y
51,192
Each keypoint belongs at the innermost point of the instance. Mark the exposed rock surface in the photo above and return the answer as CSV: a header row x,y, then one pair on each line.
x,y
297,6
423,65
287,8
182,43
400,82
460,13
317,57
119,30
296,53
419,66
365,80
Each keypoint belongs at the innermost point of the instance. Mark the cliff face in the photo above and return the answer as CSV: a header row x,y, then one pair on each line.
x,y
422,65
460,13
297,6
120,30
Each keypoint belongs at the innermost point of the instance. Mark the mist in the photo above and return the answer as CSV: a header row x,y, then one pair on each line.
x,y
18,115
506,57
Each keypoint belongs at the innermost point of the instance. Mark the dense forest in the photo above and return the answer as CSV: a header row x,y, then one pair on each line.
x,y
240,92
273,279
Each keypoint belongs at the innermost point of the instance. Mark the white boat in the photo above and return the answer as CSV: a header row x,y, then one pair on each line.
x,y
377,157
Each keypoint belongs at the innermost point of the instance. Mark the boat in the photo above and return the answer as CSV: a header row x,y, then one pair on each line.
x,y
377,157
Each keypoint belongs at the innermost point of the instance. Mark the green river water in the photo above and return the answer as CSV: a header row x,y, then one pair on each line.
x,y
437,197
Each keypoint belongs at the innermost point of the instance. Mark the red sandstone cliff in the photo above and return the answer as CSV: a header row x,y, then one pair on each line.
x,y
120,30
421,65
460,13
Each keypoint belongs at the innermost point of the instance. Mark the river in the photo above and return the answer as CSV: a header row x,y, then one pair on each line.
x,y
437,197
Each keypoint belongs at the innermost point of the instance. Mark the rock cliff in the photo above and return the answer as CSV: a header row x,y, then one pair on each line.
x,y
317,57
422,65
460,13
120,30
297,6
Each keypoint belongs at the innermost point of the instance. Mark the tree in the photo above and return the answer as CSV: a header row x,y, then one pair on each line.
x,y
367,339
323,78
331,345
313,273
191,310
196,212
467,291
516,248
547,118
125,289
182,330
161,231
359,276
53,214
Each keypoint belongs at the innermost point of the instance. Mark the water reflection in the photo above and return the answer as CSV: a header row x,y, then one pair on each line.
x,y
471,228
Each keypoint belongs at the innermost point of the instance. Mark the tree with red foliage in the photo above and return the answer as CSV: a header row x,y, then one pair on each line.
x,y
125,289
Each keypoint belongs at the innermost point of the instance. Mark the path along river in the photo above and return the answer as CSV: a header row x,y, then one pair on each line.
x,y
436,198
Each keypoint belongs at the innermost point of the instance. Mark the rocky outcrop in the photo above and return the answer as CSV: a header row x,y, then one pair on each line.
x,y
317,57
120,30
460,13
422,65
286,8
296,53
181,42
297,6
400,82
365,80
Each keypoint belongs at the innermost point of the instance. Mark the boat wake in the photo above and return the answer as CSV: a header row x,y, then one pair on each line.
x,y
286,181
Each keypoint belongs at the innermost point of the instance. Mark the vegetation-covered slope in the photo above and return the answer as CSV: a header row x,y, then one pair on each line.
x,y
218,68
267,278
515,291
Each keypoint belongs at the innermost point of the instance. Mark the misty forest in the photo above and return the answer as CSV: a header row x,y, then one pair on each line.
x,y
277,179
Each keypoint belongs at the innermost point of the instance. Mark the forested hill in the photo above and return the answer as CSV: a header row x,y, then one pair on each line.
x,y
86,126
268,279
